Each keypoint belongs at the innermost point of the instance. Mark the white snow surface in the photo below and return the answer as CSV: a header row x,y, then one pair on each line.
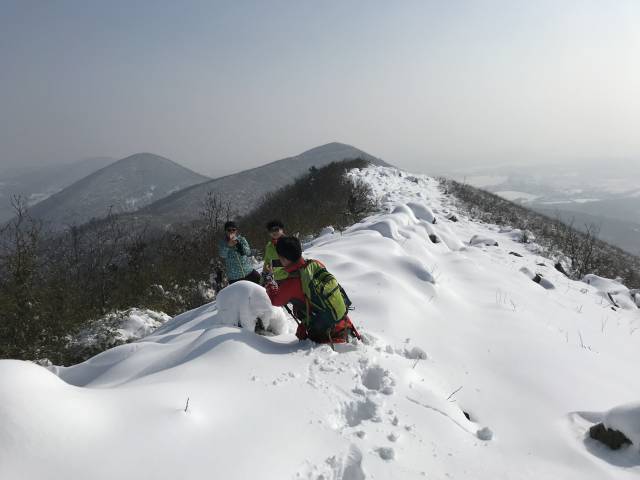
x,y
447,328
626,419
483,240
514,195
609,290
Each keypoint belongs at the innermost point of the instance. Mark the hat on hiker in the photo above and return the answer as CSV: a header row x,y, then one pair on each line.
x,y
230,224
289,248
273,224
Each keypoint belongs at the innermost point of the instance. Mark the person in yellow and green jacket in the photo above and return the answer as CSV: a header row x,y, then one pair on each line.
x,y
272,267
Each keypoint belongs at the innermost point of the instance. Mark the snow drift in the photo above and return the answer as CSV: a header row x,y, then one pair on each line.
x,y
468,369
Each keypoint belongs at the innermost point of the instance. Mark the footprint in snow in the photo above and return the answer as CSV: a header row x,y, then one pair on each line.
x,y
485,434
386,453
415,353
344,466
393,437
360,410
378,379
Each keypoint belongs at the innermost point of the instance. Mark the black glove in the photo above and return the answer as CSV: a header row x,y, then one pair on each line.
x,y
239,248
301,332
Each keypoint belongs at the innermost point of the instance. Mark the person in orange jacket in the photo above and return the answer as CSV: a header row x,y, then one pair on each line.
x,y
320,305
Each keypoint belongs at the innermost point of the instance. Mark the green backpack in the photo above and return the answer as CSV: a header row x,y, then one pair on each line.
x,y
328,302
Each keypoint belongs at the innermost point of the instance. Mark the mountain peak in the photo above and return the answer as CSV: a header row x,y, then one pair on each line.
x,y
145,157
331,147
243,190
123,186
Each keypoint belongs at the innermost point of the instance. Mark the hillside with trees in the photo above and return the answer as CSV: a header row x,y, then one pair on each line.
x,y
578,250
54,286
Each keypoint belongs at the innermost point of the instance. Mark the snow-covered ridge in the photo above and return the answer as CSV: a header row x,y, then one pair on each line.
x,y
469,370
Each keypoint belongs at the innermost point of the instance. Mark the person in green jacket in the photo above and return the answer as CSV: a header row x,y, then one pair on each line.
x,y
272,267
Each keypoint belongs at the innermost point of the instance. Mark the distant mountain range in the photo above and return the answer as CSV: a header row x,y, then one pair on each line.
x,y
150,189
245,189
36,183
123,186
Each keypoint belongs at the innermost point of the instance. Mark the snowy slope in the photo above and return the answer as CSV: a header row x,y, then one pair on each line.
x,y
449,328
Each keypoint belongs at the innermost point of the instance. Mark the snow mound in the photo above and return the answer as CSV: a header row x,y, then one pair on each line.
x,y
388,227
243,303
53,407
327,231
602,284
538,278
18,375
625,419
406,211
422,212
612,290
481,240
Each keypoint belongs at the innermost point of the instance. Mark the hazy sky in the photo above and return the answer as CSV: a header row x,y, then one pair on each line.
x,y
222,86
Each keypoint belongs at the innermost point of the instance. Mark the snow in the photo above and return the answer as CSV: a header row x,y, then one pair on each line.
x,y
133,203
243,303
483,240
447,329
327,231
625,419
121,326
38,197
139,323
612,290
422,212
604,284
513,195
518,235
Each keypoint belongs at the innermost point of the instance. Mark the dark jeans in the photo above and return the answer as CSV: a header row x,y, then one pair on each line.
x,y
252,277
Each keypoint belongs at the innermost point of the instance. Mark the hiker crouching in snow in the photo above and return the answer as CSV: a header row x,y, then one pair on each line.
x,y
320,305
235,251
272,269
